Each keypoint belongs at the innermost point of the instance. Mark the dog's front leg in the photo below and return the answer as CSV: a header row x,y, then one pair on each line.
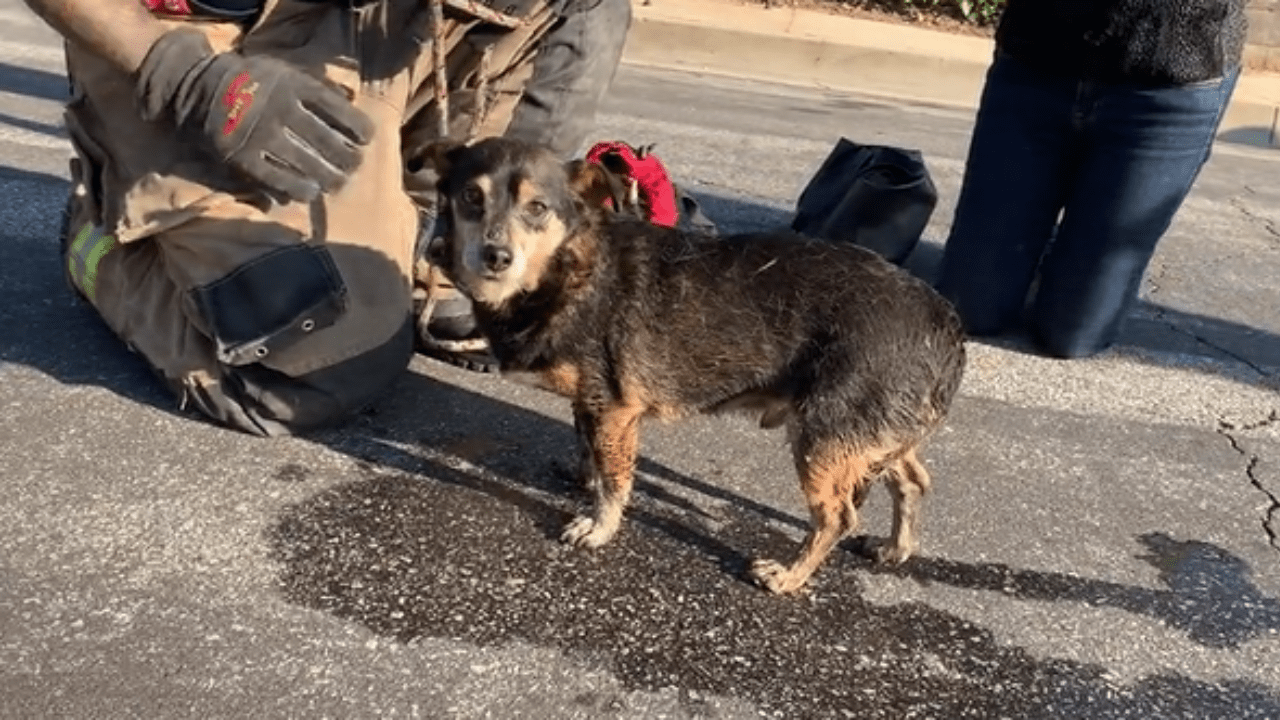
x,y
588,473
613,437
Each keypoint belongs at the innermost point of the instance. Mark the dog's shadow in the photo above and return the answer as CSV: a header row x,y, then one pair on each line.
x,y
450,532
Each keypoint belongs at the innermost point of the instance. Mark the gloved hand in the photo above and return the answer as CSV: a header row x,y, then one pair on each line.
x,y
289,131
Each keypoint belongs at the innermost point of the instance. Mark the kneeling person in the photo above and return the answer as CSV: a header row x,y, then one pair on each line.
x,y
249,204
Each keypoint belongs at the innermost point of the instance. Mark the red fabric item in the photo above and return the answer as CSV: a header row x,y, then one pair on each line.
x,y
168,7
652,181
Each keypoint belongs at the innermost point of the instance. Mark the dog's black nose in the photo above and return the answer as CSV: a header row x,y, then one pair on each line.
x,y
497,257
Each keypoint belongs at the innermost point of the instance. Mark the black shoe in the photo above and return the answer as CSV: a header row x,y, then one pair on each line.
x,y
447,331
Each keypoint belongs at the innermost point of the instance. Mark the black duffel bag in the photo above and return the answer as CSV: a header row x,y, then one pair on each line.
x,y
874,196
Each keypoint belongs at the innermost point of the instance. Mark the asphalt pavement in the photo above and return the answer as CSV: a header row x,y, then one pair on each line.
x,y
1102,541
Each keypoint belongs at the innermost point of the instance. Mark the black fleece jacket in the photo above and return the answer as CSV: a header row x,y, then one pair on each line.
x,y
1149,42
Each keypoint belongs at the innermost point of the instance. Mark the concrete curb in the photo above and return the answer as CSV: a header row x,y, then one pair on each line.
x,y
816,49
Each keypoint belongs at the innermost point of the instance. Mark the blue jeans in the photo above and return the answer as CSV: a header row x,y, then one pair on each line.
x,y
1071,183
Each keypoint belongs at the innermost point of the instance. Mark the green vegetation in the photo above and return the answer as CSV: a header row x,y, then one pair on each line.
x,y
981,12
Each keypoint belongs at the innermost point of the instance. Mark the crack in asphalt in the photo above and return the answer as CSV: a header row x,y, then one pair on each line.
x,y
1267,224
1269,522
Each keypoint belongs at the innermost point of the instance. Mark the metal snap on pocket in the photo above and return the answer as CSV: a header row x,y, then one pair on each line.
x,y
308,325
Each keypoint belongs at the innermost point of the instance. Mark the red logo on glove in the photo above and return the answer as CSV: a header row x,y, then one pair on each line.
x,y
237,100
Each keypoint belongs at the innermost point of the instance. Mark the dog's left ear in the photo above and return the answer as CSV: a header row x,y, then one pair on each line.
x,y
438,155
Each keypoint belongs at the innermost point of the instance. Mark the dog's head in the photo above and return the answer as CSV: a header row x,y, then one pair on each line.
x,y
512,209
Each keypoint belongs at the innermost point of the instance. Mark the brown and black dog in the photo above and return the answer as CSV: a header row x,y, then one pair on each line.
x,y
857,358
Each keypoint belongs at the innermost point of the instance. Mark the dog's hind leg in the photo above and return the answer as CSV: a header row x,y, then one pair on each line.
x,y
613,437
832,477
908,482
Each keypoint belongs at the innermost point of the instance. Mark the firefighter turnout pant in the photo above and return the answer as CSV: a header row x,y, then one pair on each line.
x,y
274,318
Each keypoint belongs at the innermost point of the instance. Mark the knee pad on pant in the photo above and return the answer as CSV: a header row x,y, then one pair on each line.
x,y
262,401
271,302
279,305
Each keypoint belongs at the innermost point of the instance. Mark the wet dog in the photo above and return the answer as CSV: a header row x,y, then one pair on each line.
x,y
855,357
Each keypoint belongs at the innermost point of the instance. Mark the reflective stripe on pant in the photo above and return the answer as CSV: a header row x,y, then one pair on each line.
x,y
87,248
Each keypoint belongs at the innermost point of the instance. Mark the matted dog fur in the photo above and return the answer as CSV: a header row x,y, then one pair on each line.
x,y
855,357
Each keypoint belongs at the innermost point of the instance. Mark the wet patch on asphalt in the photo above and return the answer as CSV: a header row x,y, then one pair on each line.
x,y
437,548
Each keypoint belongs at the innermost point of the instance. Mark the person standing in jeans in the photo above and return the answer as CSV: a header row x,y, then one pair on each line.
x,y
1094,122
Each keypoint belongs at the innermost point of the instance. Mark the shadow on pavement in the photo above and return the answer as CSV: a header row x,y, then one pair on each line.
x,y
450,532
51,184
33,126
34,83
1208,593
45,326
1257,136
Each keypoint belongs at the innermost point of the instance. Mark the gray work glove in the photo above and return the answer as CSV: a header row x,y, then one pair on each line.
x,y
290,131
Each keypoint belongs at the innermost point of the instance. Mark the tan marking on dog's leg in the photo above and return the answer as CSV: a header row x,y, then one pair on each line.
x,y
908,483
561,379
829,483
615,440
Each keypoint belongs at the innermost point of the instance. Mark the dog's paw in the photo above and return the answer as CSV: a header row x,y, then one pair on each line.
x,y
585,532
776,577
887,554
881,552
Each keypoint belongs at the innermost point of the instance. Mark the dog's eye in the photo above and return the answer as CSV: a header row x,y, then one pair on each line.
x,y
536,208
472,195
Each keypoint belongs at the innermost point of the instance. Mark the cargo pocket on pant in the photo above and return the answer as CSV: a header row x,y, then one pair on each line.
x,y
271,302
89,166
